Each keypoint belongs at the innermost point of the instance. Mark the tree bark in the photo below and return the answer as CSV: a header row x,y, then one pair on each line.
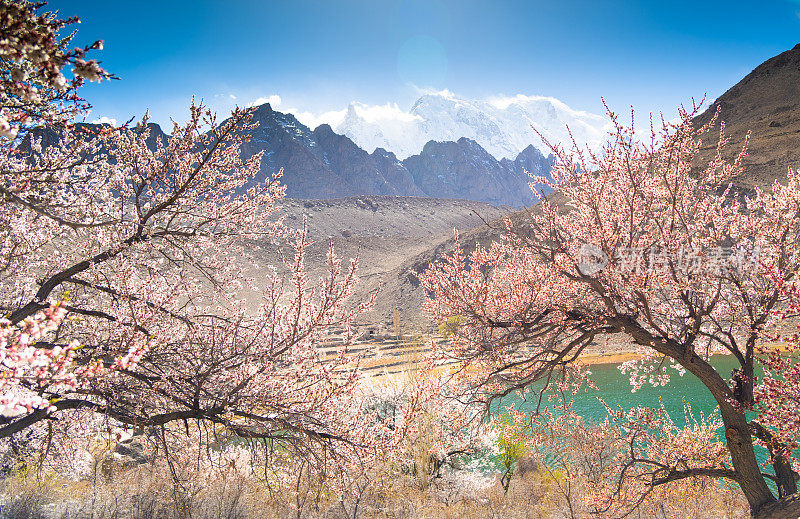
x,y
737,431
786,508
784,475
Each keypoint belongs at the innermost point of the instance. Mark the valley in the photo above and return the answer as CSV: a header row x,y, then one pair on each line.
x,y
272,266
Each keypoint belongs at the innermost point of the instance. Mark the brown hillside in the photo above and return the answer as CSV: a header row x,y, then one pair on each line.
x,y
766,103
385,231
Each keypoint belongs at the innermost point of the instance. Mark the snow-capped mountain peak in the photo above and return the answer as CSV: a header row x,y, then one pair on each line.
x,y
503,125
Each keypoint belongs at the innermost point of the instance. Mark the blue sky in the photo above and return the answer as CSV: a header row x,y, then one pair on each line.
x,y
320,55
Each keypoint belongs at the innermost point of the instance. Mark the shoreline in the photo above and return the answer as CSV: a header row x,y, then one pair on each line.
x,y
398,355
618,357
593,359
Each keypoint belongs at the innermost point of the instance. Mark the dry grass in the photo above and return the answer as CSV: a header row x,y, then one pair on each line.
x,y
234,488
148,493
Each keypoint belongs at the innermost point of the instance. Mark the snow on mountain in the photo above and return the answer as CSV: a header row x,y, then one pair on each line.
x,y
501,125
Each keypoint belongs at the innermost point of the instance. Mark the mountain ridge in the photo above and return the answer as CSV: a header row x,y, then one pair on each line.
x,y
503,125
322,163
765,104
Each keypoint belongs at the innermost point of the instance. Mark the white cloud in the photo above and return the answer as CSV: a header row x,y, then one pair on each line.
x,y
502,102
105,120
229,96
334,117
500,123
383,113
446,93
371,114
274,100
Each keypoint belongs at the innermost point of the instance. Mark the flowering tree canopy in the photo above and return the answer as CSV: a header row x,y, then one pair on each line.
x,y
34,57
127,280
641,241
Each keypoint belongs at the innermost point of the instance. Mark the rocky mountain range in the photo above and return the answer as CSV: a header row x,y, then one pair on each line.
x,y
321,163
448,147
324,164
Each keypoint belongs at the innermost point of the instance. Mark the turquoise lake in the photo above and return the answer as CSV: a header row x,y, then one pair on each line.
x,y
615,389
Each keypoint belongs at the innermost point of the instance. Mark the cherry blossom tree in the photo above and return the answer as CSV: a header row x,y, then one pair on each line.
x,y
147,252
34,57
130,283
645,242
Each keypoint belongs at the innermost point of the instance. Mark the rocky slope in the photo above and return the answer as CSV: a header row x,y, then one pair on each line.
x,y
463,169
289,145
384,232
400,286
324,164
767,104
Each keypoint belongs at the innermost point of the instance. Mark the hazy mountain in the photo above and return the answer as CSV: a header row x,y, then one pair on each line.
x,y
502,125
52,135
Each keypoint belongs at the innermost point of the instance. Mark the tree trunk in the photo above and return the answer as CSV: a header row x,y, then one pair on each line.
x,y
737,432
743,456
784,475
786,508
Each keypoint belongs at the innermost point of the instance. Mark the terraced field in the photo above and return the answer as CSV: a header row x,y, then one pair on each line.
x,y
385,356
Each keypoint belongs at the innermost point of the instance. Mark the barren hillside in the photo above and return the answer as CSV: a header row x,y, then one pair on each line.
x,y
765,103
385,231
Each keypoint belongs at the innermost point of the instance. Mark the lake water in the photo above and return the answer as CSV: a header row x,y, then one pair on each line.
x,y
615,389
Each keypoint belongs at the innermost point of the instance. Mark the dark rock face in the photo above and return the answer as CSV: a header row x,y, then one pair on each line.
x,y
288,144
463,169
530,161
396,172
366,174
321,163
